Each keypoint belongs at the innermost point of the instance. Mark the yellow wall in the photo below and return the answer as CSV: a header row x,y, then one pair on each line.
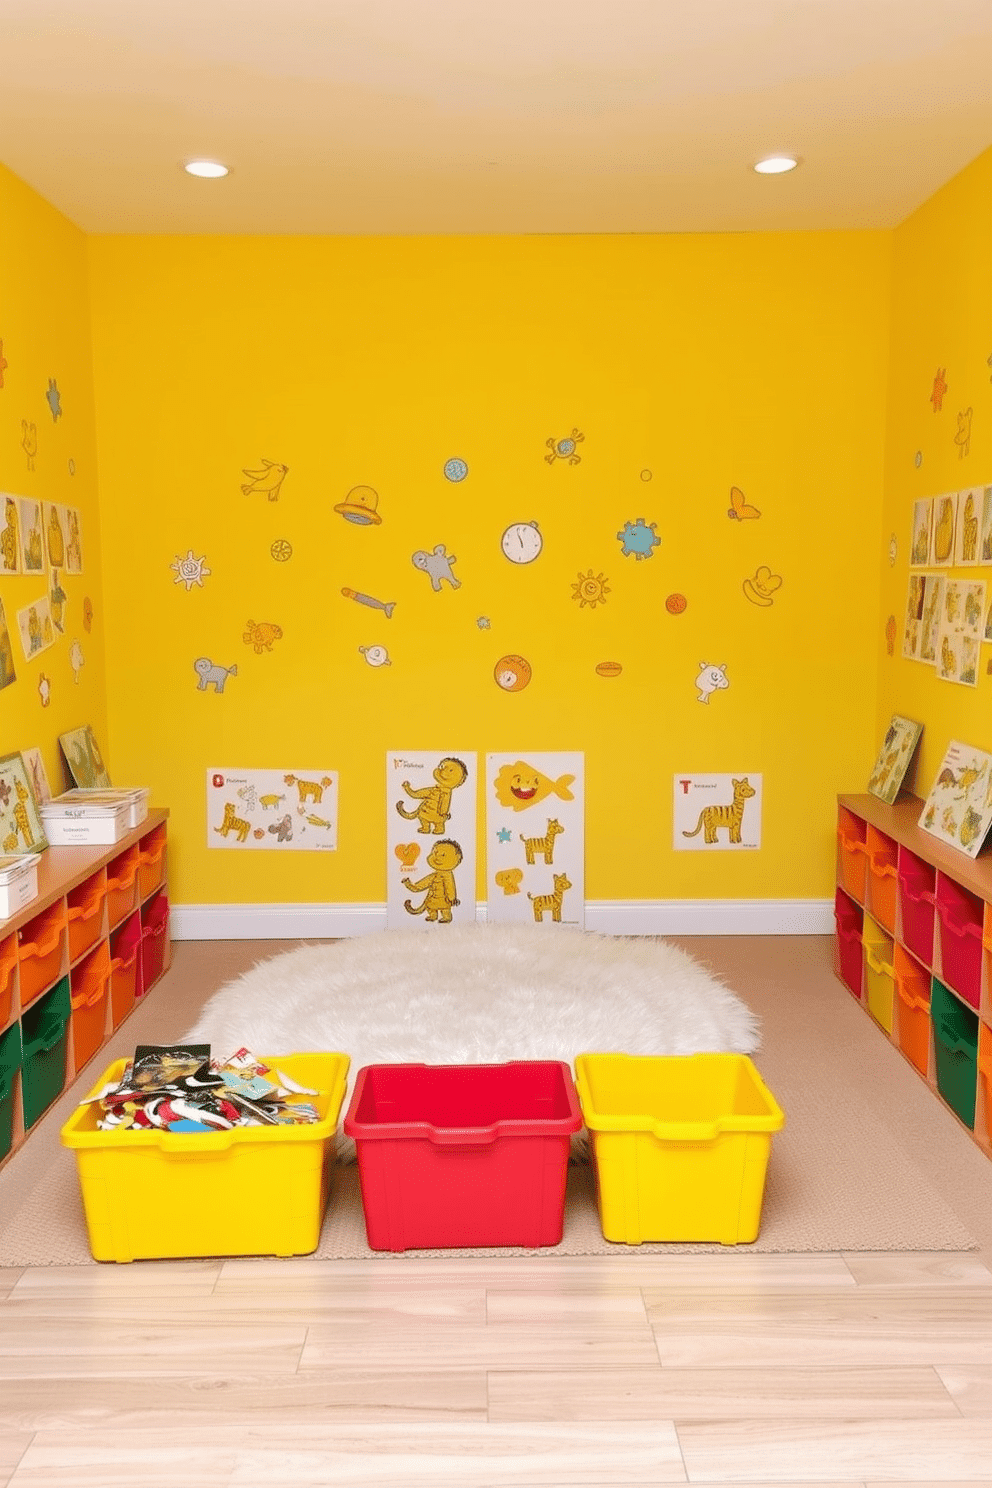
x,y
44,328
709,362
942,319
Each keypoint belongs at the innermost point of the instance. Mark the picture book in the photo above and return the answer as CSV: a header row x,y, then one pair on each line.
x,y
900,740
958,809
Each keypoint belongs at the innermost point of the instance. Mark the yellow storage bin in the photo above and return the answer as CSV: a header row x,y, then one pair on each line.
x,y
879,974
254,1190
680,1144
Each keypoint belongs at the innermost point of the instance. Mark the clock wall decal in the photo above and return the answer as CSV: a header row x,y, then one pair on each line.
x,y
522,542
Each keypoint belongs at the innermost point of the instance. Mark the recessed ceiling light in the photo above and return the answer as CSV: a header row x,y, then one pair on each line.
x,y
776,165
205,168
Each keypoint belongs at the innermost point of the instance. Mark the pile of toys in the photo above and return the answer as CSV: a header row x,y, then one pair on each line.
x,y
180,1088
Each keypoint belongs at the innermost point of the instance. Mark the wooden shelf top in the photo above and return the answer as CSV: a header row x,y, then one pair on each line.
x,y
899,822
60,869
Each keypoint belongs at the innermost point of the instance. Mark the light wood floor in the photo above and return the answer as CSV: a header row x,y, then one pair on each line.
x,y
737,1369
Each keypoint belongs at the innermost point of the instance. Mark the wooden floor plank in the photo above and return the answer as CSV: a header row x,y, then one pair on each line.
x,y
907,1451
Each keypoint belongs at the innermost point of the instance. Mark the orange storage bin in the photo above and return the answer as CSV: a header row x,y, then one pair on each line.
x,y
151,867
8,961
985,1077
84,912
881,881
125,968
121,876
852,859
154,930
40,944
912,1008
89,982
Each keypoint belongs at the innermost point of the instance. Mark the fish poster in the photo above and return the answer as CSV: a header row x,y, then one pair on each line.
x,y
274,810
958,809
535,839
430,838
717,813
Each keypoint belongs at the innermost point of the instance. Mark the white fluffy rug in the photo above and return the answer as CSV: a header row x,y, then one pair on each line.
x,y
478,994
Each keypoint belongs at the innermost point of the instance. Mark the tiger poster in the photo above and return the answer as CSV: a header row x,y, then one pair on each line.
x,y
717,813
535,839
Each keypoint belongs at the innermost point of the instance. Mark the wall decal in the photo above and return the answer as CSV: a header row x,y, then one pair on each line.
x,y
76,660
521,784
939,389
438,792
437,565
608,669
740,509
87,614
54,399
521,542
639,539
72,467
893,550
238,800
509,880
34,623
512,673
269,479
261,635
962,438
407,854
190,570
564,449
761,588
376,656
29,441
373,604
32,540
281,550
360,506
211,674
536,866
4,364
44,690
918,459
504,835
711,679
645,475
890,635
590,590
57,600
455,469
483,622
716,813
676,604
10,538
7,671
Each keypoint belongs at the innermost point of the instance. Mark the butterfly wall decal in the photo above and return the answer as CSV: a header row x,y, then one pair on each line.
x,y
739,509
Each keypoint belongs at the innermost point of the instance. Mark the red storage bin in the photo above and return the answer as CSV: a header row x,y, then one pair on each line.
x,y
84,912
912,1009
917,891
8,961
125,968
121,876
960,918
154,929
880,882
151,863
40,944
89,982
850,962
852,860
463,1155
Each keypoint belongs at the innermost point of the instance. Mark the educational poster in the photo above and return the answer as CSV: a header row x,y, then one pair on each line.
x,y
10,537
945,509
914,617
73,541
933,602
430,837
967,535
717,813
958,809
985,537
32,541
919,549
55,526
962,621
35,627
21,830
535,838
894,757
82,755
7,671
274,810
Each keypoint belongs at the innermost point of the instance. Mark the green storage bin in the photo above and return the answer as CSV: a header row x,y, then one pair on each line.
x,y
10,1063
955,1043
45,1028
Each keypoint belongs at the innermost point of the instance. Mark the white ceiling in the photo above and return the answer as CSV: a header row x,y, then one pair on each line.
x,y
508,116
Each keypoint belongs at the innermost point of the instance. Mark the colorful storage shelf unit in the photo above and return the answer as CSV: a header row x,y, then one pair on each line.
x,y
914,945
72,964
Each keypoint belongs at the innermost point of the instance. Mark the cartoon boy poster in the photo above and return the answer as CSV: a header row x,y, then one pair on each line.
x,y
430,838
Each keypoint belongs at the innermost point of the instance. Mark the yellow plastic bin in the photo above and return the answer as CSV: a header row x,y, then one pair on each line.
x,y
254,1190
680,1144
879,973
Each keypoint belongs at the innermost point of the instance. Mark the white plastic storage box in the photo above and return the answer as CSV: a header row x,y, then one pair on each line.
x,y
83,817
18,882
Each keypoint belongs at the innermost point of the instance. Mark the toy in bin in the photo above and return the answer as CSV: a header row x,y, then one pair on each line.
x,y
182,1155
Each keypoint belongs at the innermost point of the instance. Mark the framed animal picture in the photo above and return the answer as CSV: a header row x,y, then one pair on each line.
x,y
21,830
958,809
82,755
901,738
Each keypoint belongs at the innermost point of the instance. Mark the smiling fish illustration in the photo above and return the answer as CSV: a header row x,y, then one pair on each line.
x,y
520,785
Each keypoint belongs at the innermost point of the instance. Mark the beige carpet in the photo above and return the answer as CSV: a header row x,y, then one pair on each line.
x,y
868,1161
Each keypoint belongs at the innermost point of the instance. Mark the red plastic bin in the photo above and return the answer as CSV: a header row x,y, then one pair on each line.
x,y
84,912
454,1155
125,968
39,951
917,886
154,929
121,874
850,961
89,983
960,917
912,1008
852,859
880,881
8,961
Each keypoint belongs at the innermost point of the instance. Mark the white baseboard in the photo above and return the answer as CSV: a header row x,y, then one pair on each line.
x,y
608,916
